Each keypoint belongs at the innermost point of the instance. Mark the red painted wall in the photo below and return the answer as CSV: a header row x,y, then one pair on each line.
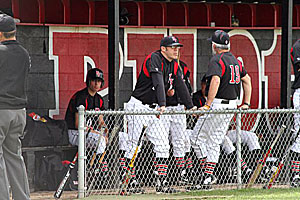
x,y
71,49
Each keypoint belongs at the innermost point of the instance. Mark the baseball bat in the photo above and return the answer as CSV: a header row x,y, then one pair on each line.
x,y
98,143
276,173
111,136
261,164
64,181
131,164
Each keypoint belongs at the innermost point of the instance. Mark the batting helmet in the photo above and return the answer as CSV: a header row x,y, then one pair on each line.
x,y
94,74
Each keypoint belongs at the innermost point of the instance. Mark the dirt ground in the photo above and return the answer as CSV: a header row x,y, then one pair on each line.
x,y
47,195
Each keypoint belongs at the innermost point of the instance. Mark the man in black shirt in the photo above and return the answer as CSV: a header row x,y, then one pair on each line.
x,y
91,100
223,79
295,156
14,69
149,95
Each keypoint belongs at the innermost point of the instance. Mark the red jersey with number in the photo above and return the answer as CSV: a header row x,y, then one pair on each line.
x,y
230,71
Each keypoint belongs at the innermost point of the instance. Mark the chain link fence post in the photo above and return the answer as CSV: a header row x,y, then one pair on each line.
x,y
81,152
239,150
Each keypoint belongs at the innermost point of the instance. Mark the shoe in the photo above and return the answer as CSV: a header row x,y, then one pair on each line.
x,y
204,184
183,179
193,187
209,180
295,181
134,187
163,187
196,182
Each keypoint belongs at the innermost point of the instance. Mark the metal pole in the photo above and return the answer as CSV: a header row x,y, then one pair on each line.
x,y
113,54
239,150
81,152
286,43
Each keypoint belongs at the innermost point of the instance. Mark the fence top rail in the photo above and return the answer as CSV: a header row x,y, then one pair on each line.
x,y
197,112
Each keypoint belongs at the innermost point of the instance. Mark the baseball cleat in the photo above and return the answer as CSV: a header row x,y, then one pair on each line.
x,y
134,187
163,187
209,180
295,183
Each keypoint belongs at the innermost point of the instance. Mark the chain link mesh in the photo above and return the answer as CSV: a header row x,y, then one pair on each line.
x,y
106,166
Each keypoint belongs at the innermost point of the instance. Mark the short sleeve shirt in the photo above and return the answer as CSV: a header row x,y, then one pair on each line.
x,y
230,71
89,102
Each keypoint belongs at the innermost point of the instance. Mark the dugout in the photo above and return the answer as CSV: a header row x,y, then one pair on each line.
x,y
250,13
36,16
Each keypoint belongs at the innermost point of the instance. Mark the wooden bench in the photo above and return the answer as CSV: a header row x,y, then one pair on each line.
x,y
30,160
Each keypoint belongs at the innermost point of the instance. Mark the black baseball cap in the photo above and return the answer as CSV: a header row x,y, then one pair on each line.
x,y
7,23
220,37
170,41
95,73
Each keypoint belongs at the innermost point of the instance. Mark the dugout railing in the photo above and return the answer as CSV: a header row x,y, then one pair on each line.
x,y
250,135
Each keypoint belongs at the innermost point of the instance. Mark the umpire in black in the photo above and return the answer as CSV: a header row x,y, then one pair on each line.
x,y
14,69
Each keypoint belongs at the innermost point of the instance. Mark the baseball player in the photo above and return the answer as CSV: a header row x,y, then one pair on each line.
x,y
223,78
247,137
251,140
176,124
295,156
91,100
149,95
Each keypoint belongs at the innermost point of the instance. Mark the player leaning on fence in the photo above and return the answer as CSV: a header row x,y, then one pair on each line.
x,y
295,156
149,95
224,77
91,100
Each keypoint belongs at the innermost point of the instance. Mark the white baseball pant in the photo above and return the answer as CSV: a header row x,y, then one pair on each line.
x,y
209,132
123,138
155,131
91,140
247,137
296,102
176,126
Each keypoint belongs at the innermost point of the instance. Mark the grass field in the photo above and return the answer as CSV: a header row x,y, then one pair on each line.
x,y
243,194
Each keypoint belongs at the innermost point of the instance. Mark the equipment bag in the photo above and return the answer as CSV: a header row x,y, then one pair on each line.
x,y
49,171
46,132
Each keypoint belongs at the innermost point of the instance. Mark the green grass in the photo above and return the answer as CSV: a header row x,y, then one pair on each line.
x,y
243,194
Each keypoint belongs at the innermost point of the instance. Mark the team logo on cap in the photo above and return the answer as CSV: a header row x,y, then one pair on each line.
x,y
98,74
174,39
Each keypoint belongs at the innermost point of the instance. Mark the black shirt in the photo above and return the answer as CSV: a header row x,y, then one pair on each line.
x,y
295,57
14,69
153,81
89,102
175,100
198,99
230,71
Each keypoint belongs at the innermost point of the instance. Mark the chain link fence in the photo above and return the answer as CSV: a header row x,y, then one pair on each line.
x,y
168,150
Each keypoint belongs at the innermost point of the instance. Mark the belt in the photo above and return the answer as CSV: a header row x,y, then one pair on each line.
x,y
225,101
150,105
